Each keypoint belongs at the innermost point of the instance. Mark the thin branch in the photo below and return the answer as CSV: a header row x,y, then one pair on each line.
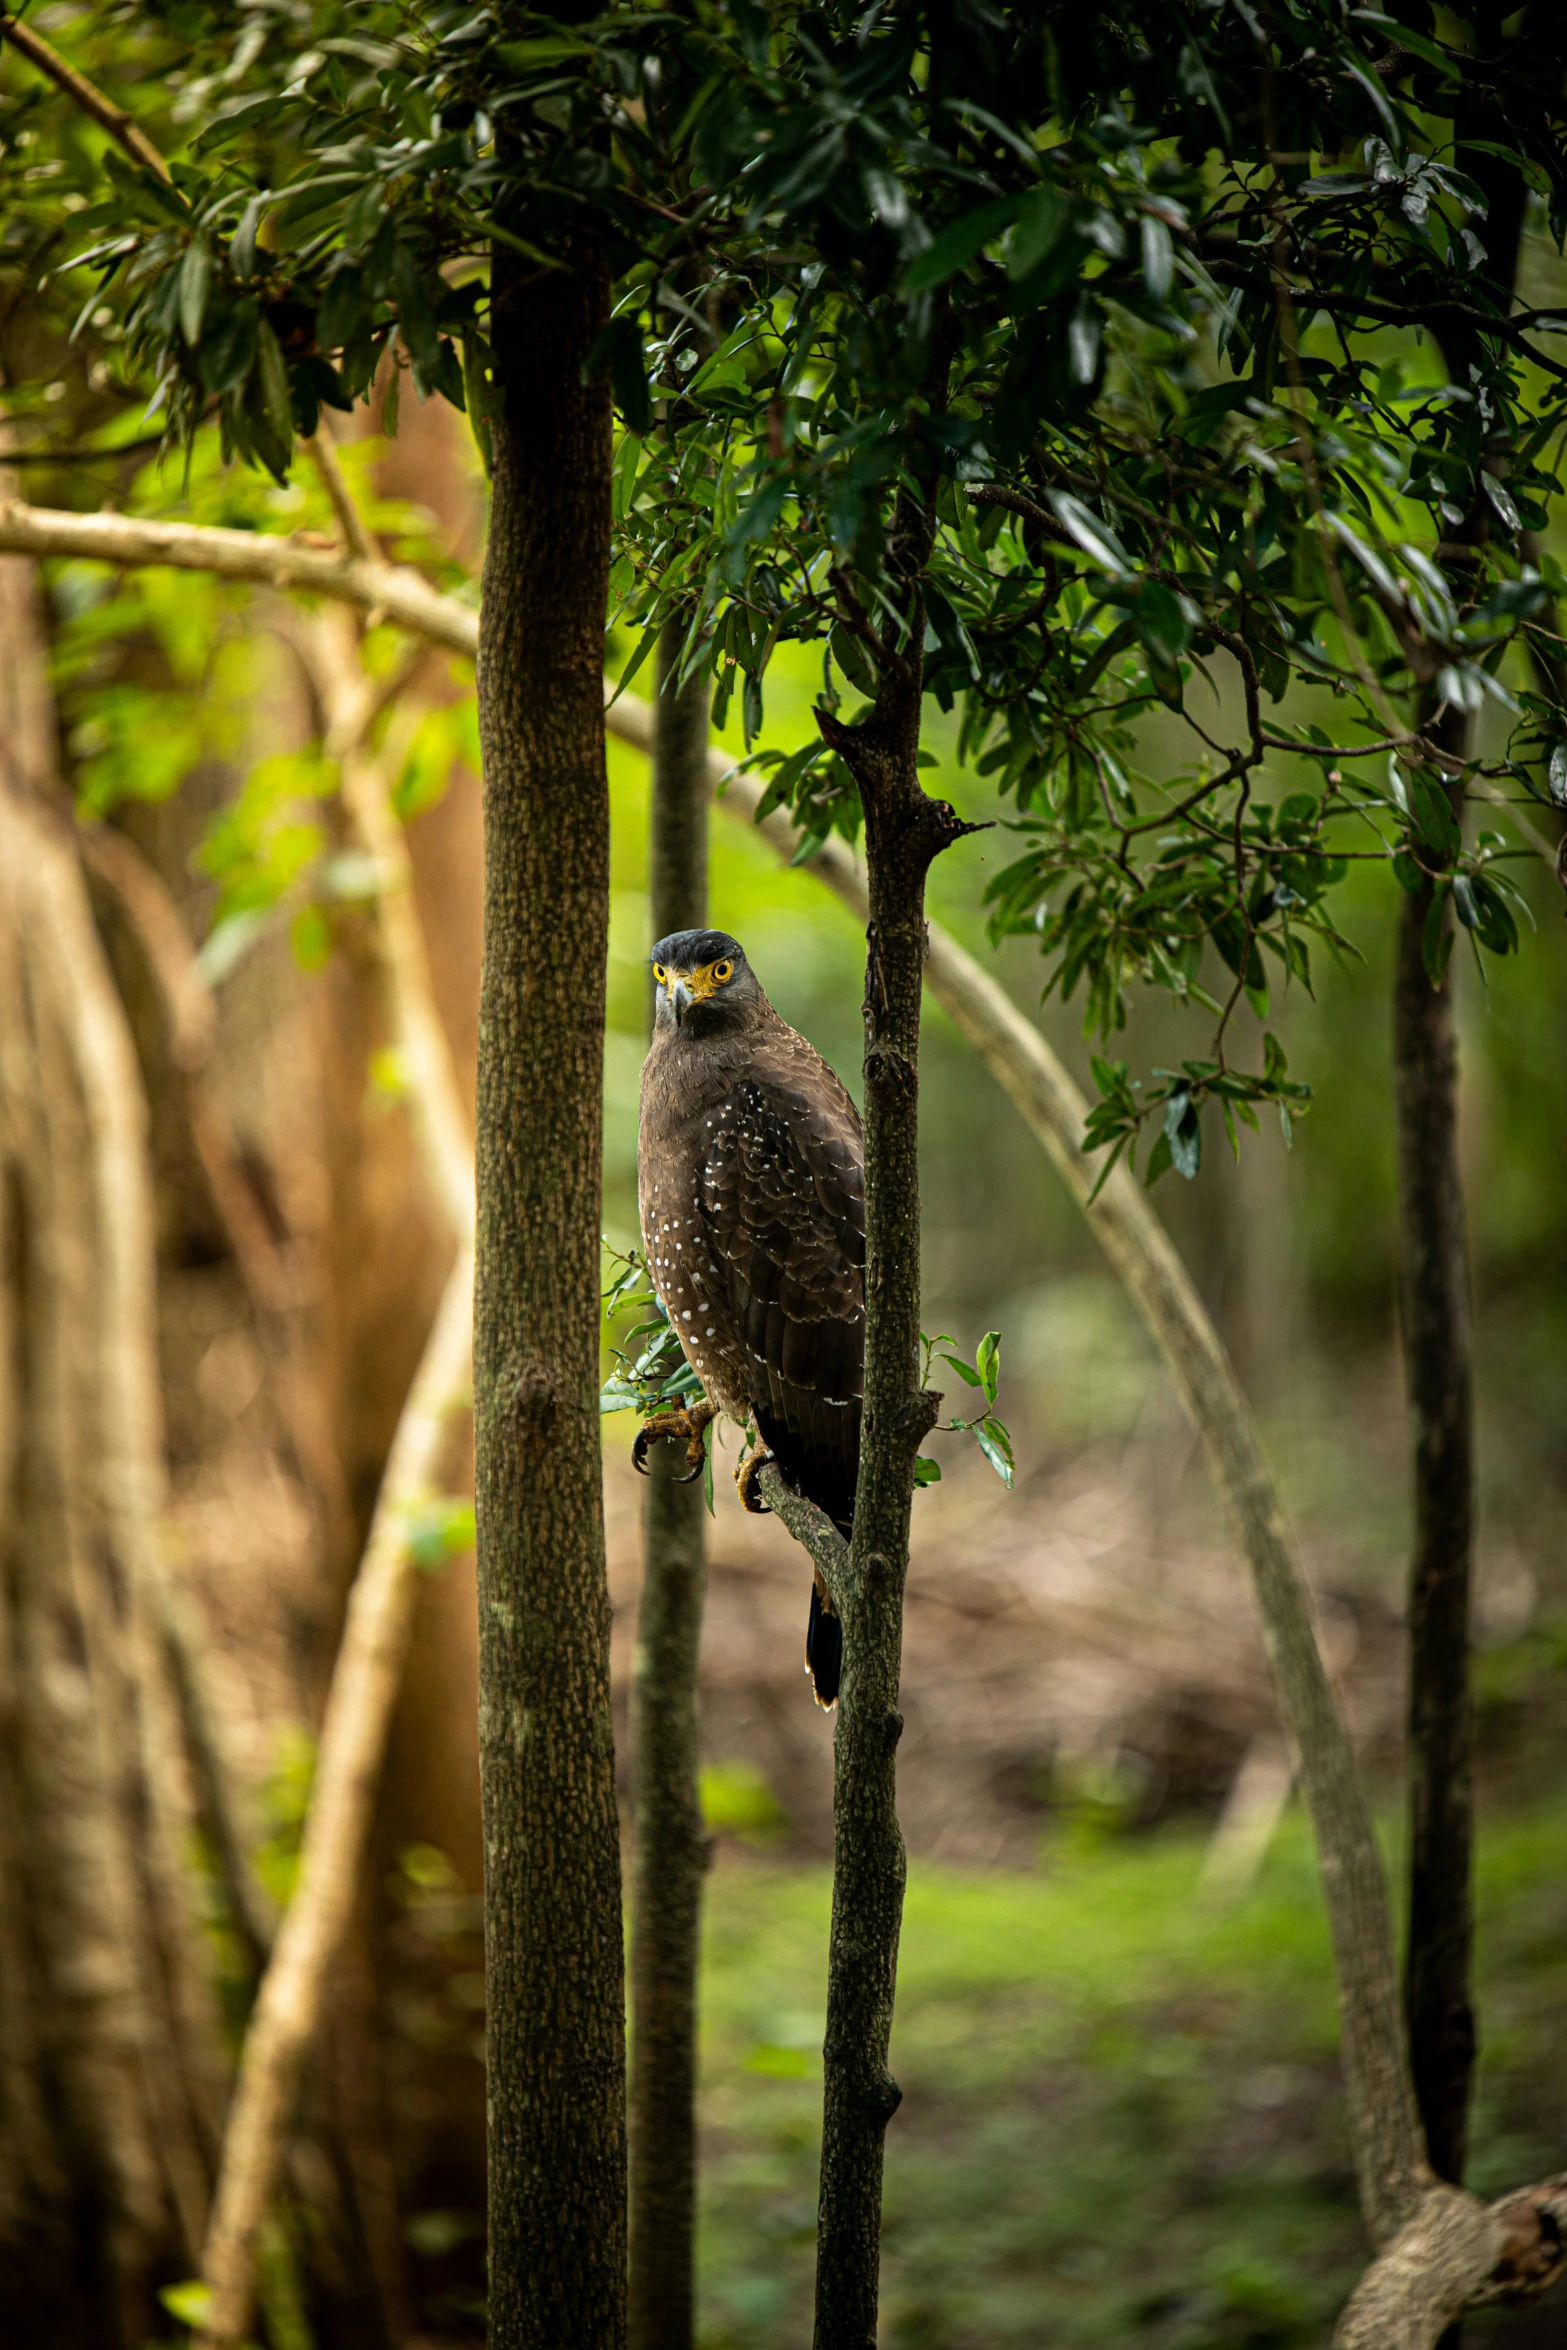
x,y
121,127
350,700
401,595
811,1528
356,537
990,493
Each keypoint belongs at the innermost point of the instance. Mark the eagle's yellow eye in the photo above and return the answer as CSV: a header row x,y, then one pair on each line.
x,y
723,971
659,973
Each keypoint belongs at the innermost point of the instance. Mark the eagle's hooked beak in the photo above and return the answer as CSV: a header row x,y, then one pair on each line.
x,y
690,987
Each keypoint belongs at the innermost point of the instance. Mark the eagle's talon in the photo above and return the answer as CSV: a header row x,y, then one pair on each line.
x,y
691,1423
745,1483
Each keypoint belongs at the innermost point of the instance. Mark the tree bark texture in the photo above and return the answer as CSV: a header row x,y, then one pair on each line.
x,y
111,2071
903,832
671,1845
555,1971
1438,1377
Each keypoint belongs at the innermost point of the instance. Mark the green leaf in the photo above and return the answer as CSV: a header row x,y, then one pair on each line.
x,y
1183,1133
553,49
965,1371
852,658
195,279
242,252
1042,220
1433,816
1482,909
1506,511
988,1363
1161,624
958,243
1158,256
996,1445
1096,538
190,2303
273,374
927,1472
437,1531
1436,938
475,359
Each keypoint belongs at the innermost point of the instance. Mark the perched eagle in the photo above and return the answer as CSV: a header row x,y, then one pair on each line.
x,y
751,1178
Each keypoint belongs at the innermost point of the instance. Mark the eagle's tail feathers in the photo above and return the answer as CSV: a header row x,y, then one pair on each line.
x,y
824,1648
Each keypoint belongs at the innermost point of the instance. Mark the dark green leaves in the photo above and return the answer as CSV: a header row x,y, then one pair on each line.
x,y
957,244
195,278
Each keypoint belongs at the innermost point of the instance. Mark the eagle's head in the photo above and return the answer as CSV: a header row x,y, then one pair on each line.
x,y
705,984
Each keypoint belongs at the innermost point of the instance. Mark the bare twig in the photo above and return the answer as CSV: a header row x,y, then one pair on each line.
x,y
121,127
369,1667
356,537
349,699
400,594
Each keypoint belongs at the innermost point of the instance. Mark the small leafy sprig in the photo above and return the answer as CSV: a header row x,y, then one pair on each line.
x,y
1175,1097
984,1373
651,1373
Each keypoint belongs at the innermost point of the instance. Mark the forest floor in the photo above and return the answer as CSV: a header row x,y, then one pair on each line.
x,y
1121,2115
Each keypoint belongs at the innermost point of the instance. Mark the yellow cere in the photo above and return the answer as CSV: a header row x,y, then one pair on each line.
x,y
701,983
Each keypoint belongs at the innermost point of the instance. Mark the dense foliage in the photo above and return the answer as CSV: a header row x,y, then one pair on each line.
x,y
1172,362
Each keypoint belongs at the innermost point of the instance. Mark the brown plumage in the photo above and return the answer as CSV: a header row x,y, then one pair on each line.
x,y
751,1174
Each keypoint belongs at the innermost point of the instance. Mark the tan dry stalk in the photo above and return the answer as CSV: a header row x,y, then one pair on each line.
x,y
369,1667
398,594
365,1681
349,700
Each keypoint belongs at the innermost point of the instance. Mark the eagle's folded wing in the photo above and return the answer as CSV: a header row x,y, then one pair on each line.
x,y
783,1200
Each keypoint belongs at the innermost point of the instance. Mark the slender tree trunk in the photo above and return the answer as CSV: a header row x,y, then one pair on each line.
x,y
1439,1382
671,1845
903,832
1437,1372
556,2024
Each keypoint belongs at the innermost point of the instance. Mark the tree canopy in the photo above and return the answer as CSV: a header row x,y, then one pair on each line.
x,y
1195,341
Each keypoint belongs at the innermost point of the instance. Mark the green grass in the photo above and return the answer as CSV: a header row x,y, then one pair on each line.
x,y
1121,2117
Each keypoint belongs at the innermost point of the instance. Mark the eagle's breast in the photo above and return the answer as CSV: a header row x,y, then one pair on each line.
x,y
753,1219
